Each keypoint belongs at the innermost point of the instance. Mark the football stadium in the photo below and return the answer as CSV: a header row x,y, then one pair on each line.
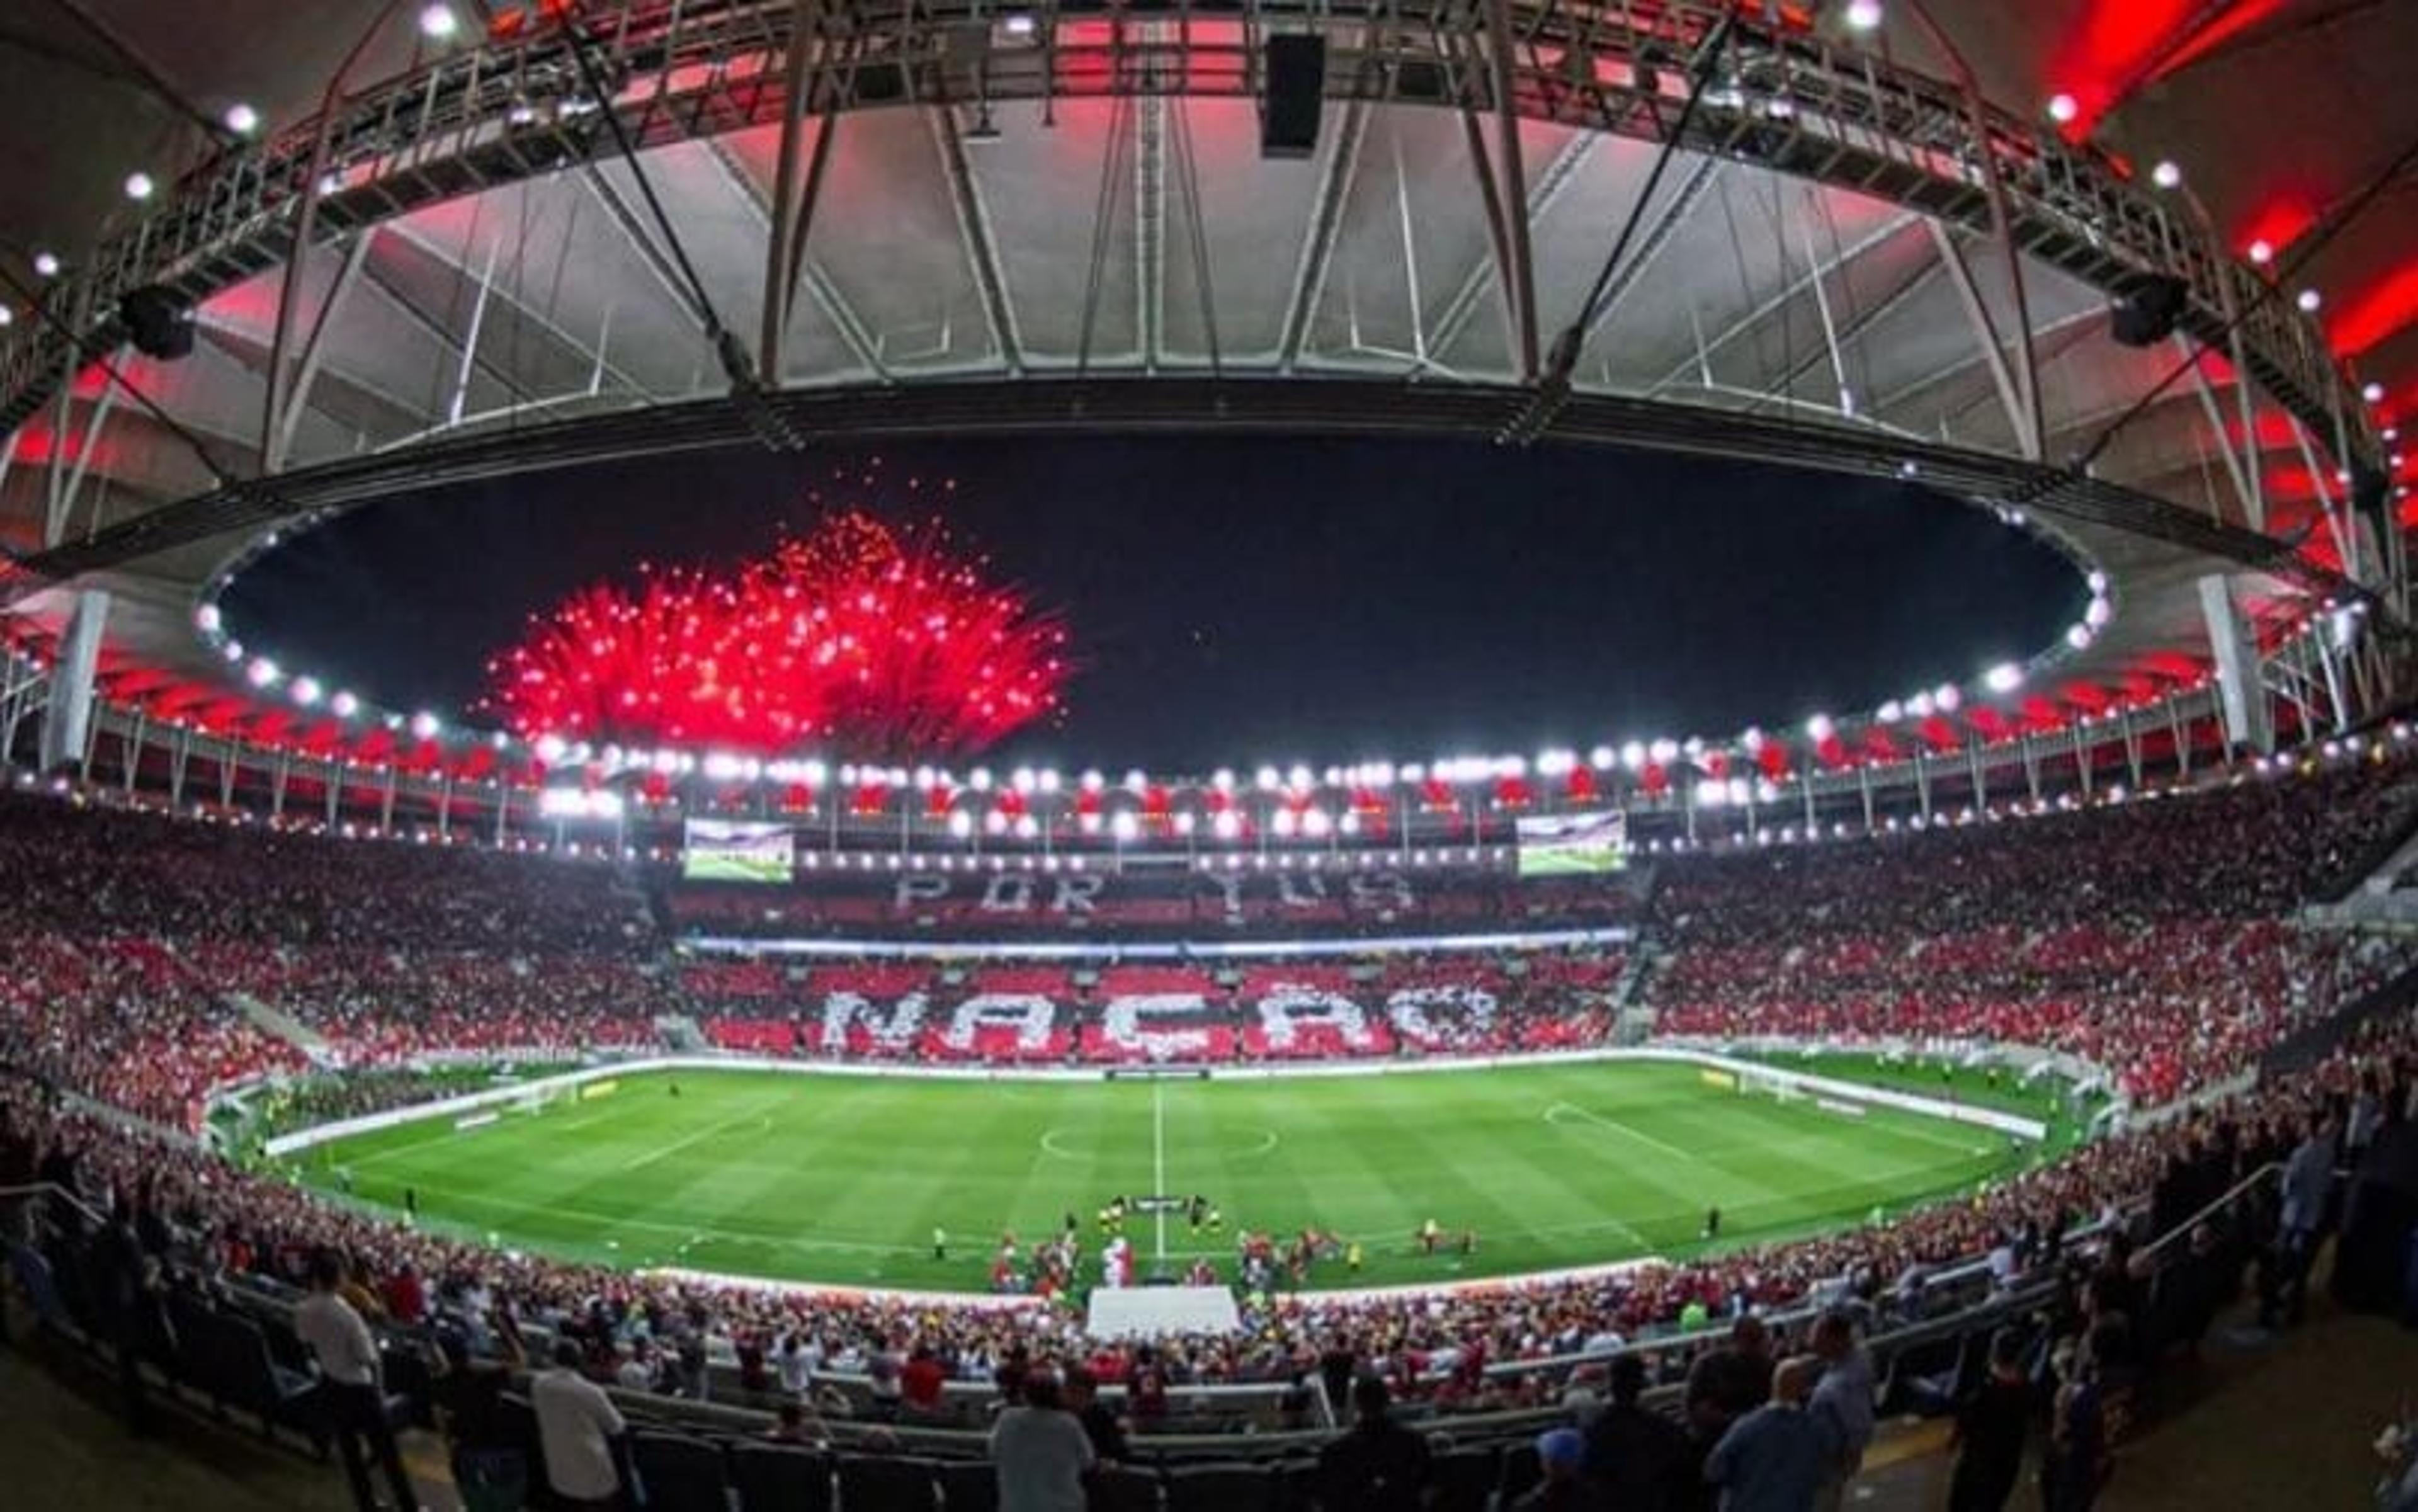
x,y
768,754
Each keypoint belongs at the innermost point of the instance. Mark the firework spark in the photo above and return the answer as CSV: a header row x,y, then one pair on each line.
x,y
860,637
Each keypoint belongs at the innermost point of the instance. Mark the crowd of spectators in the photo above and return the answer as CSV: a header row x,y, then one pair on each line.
x,y
1370,895
2151,937
1470,1003
228,1223
2160,944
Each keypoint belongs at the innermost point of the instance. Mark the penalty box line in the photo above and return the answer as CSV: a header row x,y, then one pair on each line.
x,y
1614,1125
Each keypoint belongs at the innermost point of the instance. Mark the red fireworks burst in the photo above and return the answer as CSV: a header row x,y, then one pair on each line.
x,y
860,637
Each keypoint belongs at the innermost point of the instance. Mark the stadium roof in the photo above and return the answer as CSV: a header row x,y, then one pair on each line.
x,y
1086,234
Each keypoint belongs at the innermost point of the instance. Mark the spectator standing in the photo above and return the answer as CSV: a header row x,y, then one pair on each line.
x,y
1040,1451
350,1389
2307,1190
1727,1384
577,1430
1561,1457
1843,1399
1100,1422
1991,1428
1377,1465
2076,1464
1782,1456
1638,1459
920,1383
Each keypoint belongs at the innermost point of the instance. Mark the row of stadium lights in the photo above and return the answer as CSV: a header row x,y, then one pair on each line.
x,y
2306,767
1295,818
2002,679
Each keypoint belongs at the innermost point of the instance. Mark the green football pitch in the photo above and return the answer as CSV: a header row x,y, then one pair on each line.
x,y
842,1179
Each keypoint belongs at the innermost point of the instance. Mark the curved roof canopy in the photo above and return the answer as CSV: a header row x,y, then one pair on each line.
x,y
983,216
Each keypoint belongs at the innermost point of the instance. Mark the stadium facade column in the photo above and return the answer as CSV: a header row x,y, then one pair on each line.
x,y
2249,719
181,754
129,748
66,717
23,687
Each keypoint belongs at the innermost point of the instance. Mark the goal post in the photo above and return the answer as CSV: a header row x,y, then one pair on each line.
x,y
1770,1085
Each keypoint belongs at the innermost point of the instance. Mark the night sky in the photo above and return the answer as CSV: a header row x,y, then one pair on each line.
x,y
1241,600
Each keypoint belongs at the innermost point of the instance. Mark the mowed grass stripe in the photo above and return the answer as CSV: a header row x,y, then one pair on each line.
x,y
842,1179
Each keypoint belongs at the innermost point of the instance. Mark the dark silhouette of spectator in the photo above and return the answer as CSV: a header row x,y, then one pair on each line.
x,y
1377,1465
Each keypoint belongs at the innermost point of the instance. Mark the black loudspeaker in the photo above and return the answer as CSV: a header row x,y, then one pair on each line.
x,y
2147,315
2371,498
1296,74
158,322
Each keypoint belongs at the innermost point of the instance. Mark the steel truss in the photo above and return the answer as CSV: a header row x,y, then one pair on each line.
x,y
692,69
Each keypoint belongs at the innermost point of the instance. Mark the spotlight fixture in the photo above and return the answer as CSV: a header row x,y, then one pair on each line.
x,y
2309,300
139,186
2262,251
1864,15
2063,107
241,119
2373,393
46,264
2166,174
437,23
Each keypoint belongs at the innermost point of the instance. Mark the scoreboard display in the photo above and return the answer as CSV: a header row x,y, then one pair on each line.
x,y
722,850
1574,845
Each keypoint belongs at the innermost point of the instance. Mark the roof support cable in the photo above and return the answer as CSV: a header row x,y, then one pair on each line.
x,y
748,388
1553,385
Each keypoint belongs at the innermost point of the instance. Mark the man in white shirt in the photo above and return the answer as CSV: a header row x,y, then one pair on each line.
x,y
797,1366
1041,1452
352,1398
576,1424
1844,1399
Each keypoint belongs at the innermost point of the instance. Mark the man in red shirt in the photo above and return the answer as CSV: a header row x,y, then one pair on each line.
x,y
920,1384
405,1302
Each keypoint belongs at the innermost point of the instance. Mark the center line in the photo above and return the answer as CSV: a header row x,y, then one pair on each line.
x,y
1158,1158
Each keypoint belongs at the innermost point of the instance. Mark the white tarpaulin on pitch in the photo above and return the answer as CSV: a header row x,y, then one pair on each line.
x,y
1121,1312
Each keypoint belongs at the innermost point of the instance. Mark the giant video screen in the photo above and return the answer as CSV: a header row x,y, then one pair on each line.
x,y
1574,845
725,850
